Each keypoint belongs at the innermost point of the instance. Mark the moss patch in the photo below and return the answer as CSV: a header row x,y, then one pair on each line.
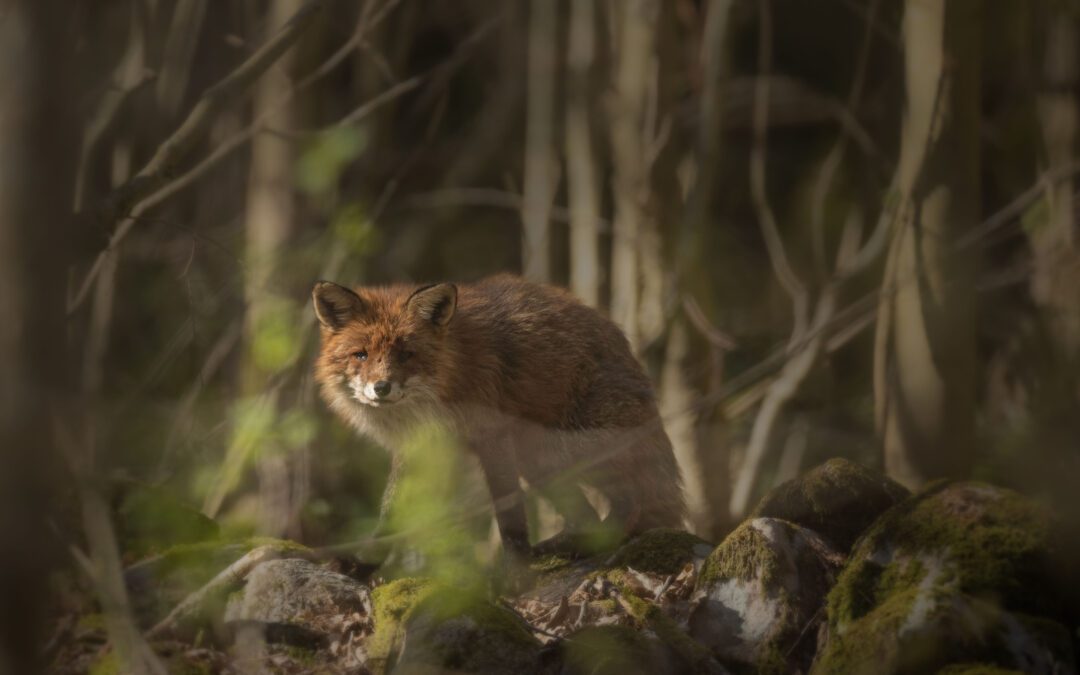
x,y
462,631
994,542
744,554
606,650
659,551
838,500
392,604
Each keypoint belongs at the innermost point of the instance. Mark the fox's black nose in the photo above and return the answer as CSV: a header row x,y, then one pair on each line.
x,y
382,388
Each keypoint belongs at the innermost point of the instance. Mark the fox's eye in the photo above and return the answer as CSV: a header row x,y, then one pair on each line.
x,y
406,355
360,355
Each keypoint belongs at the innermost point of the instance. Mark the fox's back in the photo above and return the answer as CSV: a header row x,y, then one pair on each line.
x,y
536,352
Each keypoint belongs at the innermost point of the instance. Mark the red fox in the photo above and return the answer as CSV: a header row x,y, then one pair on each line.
x,y
536,384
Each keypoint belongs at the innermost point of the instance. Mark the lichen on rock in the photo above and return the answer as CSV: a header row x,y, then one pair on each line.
x,y
838,500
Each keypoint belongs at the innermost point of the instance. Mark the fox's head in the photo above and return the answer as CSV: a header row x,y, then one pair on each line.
x,y
382,346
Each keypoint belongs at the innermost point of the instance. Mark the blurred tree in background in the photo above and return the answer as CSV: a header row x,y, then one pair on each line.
x,y
831,228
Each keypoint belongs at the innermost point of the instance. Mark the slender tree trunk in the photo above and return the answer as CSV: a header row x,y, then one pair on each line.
x,y
539,141
269,224
1055,243
635,23
924,365
583,187
698,436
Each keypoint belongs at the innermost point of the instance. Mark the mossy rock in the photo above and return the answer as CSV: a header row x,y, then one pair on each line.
x,y
151,519
156,584
458,630
759,595
614,650
298,594
660,551
392,604
838,500
956,574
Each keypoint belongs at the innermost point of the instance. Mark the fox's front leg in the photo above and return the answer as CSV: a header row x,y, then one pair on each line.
x,y
500,471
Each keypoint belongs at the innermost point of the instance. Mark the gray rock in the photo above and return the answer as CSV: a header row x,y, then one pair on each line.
x,y
838,500
300,594
759,596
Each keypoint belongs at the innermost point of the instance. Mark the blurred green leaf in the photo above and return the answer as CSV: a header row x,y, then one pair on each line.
x,y
326,157
276,342
428,506
297,428
352,229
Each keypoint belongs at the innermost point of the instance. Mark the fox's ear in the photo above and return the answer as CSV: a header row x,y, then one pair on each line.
x,y
335,305
434,303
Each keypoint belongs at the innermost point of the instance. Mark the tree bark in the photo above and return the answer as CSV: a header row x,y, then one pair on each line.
x,y
269,225
539,141
582,185
1054,243
634,69
925,351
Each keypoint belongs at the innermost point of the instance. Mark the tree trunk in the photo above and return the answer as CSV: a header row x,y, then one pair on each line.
x,y
635,23
1054,243
925,352
698,435
583,188
539,140
269,224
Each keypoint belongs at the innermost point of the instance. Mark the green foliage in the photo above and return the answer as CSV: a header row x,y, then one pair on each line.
x,y
276,338
152,519
352,229
325,157
429,509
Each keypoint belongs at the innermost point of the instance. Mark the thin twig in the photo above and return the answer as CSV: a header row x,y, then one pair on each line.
x,y
226,581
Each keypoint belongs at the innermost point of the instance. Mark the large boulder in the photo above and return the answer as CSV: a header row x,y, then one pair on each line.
x,y
955,575
759,595
838,500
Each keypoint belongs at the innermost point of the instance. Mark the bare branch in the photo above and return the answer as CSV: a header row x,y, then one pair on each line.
x,y
827,175
169,154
